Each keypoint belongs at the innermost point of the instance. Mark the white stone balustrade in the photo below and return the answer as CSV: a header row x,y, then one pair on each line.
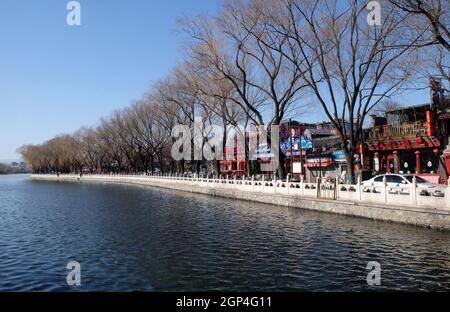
x,y
408,196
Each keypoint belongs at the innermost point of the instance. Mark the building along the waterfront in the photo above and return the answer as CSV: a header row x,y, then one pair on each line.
x,y
413,139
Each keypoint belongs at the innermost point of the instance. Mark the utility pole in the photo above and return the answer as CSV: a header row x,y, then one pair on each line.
x,y
290,147
301,150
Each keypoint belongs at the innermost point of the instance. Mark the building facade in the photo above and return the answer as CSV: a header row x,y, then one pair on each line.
x,y
411,140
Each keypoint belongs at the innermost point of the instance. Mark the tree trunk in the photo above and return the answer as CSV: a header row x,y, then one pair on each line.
x,y
281,166
152,164
198,164
350,167
280,170
249,168
161,163
218,168
182,166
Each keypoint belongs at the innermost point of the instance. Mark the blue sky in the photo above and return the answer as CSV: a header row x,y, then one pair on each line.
x,y
55,78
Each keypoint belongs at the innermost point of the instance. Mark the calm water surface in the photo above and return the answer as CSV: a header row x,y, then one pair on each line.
x,y
136,238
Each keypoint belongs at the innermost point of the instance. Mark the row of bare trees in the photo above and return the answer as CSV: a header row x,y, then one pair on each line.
x,y
258,62
133,139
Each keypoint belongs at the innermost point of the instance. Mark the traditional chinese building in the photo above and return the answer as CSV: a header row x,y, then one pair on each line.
x,y
233,163
411,140
408,144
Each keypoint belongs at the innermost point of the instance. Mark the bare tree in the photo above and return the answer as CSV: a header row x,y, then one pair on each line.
x,y
88,143
109,134
436,15
59,154
182,90
386,106
351,66
241,45
430,19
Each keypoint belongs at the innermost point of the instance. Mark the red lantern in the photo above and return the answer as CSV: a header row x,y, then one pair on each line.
x,y
431,124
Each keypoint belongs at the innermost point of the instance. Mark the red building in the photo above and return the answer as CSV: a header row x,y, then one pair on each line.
x,y
231,165
412,139
409,143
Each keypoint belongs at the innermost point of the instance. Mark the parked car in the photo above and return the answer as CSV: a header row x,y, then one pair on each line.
x,y
396,180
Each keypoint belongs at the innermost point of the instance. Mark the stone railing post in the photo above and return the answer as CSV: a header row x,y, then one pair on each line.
x,y
337,188
384,189
447,194
318,183
302,186
414,191
287,183
359,187
263,184
253,183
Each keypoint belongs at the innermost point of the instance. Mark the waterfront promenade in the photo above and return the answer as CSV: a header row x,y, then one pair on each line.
x,y
408,205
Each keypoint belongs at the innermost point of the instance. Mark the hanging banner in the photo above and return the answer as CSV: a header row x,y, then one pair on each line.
x,y
339,156
294,140
297,167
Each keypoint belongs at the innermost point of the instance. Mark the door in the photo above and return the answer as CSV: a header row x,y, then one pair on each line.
x,y
327,190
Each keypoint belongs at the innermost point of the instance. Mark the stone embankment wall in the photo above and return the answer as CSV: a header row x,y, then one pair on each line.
x,y
411,207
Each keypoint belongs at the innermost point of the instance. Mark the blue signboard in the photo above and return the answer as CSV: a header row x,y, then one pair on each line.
x,y
295,141
339,156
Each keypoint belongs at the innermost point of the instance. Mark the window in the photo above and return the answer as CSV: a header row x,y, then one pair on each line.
x,y
418,179
379,179
430,162
394,179
408,162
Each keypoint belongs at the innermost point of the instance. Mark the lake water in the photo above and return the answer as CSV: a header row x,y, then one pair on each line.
x,y
135,238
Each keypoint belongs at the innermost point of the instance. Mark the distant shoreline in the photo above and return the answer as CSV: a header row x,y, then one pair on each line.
x,y
14,168
13,173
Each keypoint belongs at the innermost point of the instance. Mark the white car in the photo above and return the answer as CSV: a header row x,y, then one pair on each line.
x,y
397,180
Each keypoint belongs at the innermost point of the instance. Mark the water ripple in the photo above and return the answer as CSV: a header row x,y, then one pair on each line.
x,y
140,239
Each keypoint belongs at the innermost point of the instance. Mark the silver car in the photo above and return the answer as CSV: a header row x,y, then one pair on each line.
x,y
397,180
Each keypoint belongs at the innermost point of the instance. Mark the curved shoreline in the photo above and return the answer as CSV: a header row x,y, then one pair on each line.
x,y
438,219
